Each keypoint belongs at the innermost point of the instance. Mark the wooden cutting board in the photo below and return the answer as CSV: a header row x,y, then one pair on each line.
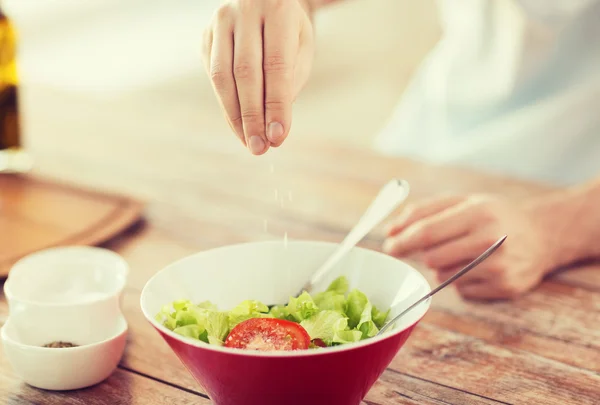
x,y
36,213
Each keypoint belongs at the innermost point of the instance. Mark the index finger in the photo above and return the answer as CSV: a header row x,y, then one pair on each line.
x,y
442,227
281,41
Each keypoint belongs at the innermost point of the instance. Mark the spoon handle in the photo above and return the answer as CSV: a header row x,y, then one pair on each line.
x,y
387,200
461,273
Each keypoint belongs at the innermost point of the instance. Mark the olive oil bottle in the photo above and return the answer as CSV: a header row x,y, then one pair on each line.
x,y
12,155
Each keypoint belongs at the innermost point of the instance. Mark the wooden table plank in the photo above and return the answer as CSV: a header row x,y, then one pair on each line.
x,y
562,312
32,199
206,191
399,388
121,388
497,333
452,363
497,372
137,358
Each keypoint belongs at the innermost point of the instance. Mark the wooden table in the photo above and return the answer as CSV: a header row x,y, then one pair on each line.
x,y
204,191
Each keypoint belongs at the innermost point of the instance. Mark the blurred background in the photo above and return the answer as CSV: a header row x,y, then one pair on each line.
x,y
103,65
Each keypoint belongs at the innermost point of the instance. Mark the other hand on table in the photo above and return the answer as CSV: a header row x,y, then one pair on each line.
x,y
447,233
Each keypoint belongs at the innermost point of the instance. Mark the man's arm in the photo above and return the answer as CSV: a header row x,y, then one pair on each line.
x,y
572,220
544,233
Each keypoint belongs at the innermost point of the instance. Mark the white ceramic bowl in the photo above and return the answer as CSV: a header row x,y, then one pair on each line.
x,y
63,368
65,283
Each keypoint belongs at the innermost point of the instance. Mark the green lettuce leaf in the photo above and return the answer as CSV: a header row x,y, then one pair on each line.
x,y
207,305
333,316
166,318
185,317
360,314
302,308
324,325
339,285
280,312
331,301
368,329
191,331
217,327
246,310
181,304
356,304
347,336
379,317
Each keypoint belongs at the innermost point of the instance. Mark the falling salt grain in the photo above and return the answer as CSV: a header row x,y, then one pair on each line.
x,y
276,194
272,168
265,225
285,240
290,195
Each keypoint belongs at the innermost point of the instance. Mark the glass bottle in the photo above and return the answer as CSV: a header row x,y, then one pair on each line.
x,y
13,157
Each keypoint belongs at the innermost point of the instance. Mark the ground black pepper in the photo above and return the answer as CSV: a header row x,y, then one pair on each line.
x,y
60,344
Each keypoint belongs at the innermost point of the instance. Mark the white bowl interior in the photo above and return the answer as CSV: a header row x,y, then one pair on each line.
x,y
67,275
38,332
273,271
63,369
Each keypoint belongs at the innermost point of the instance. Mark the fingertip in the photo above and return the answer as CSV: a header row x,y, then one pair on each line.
x,y
388,246
257,145
275,133
390,230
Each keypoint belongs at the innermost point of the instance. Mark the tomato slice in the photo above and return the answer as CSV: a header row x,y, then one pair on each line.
x,y
319,342
268,334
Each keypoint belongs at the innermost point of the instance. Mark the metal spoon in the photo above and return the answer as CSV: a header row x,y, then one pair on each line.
x,y
387,200
461,273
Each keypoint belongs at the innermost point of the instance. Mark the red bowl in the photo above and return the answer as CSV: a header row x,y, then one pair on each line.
x,y
271,272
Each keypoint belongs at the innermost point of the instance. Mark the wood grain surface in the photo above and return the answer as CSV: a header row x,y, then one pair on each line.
x,y
36,213
203,190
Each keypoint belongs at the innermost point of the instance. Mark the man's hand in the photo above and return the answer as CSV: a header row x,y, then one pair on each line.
x,y
448,233
258,54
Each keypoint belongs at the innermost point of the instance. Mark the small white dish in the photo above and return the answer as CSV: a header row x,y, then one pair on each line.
x,y
65,283
70,294
91,362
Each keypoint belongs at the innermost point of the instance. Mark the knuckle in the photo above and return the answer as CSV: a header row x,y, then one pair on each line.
x,y
484,207
496,273
251,116
510,289
481,200
410,211
236,121
223,13
433,260
243,70
278,4
275,105
424,234
219,77
488,240
275,63
503,281
246,5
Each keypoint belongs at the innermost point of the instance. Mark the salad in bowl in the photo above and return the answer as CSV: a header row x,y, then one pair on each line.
x,y
333,317
211,309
